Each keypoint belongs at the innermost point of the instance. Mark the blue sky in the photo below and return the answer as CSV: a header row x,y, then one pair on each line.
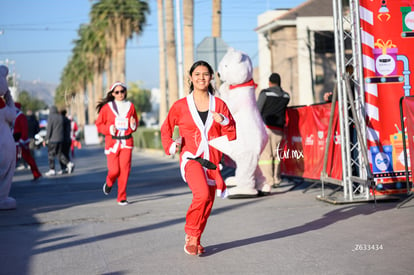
x,y
36,37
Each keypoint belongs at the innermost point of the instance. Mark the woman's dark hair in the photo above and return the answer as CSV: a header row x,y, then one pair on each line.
x,y
210,70
109,97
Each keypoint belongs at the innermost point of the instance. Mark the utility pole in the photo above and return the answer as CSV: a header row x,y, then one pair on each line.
x,y
163,72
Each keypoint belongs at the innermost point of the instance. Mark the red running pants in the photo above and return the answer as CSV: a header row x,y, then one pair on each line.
x,y
203,199
119,166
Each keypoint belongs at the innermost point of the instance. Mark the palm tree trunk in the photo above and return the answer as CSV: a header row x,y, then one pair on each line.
x,y
80,102
72,106
216,22
91,107
188,11
108,74
163,81
98,92
171,53
120,44
216,30
113,60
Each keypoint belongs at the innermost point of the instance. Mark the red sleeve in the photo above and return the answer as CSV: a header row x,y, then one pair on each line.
x,y
167,128
103,121
230,128
134,115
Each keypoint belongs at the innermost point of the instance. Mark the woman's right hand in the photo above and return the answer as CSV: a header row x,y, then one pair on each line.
x,y
178,142
112,130
217,117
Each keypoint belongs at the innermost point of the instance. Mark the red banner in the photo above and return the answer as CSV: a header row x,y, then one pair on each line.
x,y
306,133
387,34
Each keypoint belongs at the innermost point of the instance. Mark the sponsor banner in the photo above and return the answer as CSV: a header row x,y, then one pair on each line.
x,y
387,32
303,150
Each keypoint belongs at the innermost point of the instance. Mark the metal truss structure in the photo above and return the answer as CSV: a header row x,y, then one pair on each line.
x,y
357,179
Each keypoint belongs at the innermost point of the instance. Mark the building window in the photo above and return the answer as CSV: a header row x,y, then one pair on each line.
x,y
324,42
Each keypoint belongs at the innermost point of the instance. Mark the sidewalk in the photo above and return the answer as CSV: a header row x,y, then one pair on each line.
x,y
66,225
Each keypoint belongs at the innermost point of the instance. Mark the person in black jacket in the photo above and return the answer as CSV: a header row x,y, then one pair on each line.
x,y
272,103
33,127
67,141
54,139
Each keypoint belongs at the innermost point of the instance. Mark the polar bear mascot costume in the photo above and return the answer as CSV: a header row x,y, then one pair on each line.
x,y
238,91
7,144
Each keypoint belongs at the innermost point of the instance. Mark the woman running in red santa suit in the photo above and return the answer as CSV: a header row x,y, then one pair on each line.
x,y
200,117
117,120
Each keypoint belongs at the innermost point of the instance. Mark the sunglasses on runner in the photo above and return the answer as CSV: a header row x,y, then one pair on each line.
x,y
118,92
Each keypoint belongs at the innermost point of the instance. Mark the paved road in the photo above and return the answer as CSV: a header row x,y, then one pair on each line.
x,y
65,225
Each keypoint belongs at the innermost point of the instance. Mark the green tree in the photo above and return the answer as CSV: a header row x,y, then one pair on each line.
x,y
30,103
99,50
141,98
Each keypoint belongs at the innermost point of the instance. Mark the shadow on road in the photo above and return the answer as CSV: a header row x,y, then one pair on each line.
x,y
328,219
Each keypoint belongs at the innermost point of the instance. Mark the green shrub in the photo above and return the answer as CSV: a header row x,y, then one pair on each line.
x,y
147,138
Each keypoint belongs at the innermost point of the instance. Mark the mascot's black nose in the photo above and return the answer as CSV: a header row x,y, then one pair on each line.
x,y
218,74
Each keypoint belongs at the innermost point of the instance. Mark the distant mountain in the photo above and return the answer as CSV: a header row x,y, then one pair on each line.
x,y
40,90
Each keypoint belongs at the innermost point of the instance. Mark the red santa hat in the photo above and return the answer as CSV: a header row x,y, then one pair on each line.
x,y
18,105
118,83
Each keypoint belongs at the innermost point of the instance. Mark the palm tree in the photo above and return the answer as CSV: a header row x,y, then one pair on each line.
x,y
85,45
121,19
188,14
163,81
171,53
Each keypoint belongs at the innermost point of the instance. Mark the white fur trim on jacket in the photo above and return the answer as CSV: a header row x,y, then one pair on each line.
x,y
120,142
204,129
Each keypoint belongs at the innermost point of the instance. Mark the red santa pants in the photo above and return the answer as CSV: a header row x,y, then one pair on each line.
x,y
119,166
203,199
27,156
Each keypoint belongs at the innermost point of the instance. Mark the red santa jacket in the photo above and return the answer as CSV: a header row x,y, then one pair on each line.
x,y
195,135
109,116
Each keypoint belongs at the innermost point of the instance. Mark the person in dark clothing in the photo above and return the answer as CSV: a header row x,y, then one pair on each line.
x,y
54,139
272,103
33,129
67,141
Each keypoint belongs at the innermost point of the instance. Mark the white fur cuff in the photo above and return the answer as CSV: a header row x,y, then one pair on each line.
x,y
172,148
225,120
222,194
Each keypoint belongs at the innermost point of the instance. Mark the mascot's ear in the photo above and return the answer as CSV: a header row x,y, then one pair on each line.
x,y
235,56
4,71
